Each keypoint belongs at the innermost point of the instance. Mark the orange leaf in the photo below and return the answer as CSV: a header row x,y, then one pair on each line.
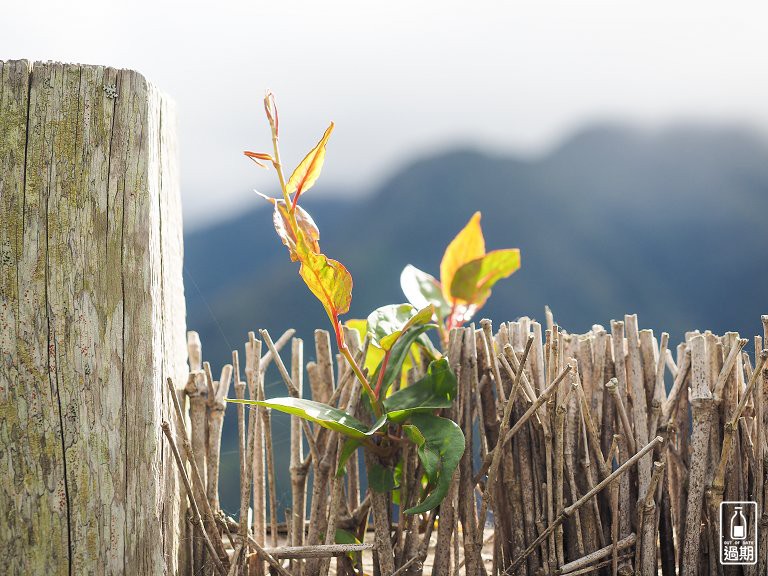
x,y
307,172
468,245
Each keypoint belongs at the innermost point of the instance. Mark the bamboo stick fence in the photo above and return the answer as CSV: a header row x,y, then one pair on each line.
x,y
598,453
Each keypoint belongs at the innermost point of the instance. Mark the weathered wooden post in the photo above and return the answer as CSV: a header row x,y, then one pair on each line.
x,y
92,320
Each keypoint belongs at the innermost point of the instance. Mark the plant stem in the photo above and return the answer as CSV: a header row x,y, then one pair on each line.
x,y
279,169
381,372
377,407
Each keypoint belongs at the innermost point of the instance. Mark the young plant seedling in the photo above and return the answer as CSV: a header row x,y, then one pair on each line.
x,y
396,334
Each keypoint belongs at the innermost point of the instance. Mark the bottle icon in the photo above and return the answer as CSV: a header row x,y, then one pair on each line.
x,y
738,525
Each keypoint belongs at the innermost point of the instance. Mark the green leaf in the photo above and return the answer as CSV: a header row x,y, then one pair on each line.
x,y
380,478
398,472
342,536
349,447
386,324
440,446
473,281
422,289
397,356
435,390
324,415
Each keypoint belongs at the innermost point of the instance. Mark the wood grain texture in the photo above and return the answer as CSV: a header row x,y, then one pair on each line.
x,y
92,321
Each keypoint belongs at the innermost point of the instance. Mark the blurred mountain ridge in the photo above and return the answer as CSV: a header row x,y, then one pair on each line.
x,y
667,223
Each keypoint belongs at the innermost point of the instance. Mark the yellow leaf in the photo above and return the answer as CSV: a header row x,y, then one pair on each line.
x,y
329,281
468,245
308,170
359,325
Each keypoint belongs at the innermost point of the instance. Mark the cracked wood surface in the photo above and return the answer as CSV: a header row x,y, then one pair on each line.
x,y
92,321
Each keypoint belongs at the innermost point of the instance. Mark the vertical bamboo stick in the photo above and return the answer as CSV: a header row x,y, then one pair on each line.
x,y
336,483
615,522
217,406
599,349
245,488
659,392
626,501
269,452
734,489
646,561
381,523
619,355
594,537
197,392
613,389
322,392
559,503
576,546
586,365
552,340
703,413
297,469
666,531
466,487
537,358
636,383
649,354
493,362
209,523
610,421
256,448
323,386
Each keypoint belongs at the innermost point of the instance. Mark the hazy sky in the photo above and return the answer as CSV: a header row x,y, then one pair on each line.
x,y
403,79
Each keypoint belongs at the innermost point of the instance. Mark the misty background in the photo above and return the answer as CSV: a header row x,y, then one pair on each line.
x,y
621,146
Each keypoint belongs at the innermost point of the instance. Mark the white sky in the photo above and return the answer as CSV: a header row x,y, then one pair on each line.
x,y
404,78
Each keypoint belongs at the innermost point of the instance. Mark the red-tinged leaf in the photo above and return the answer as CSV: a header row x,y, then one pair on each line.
x,y
468,245
281,218
308,170
328,280
256,156
472,282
